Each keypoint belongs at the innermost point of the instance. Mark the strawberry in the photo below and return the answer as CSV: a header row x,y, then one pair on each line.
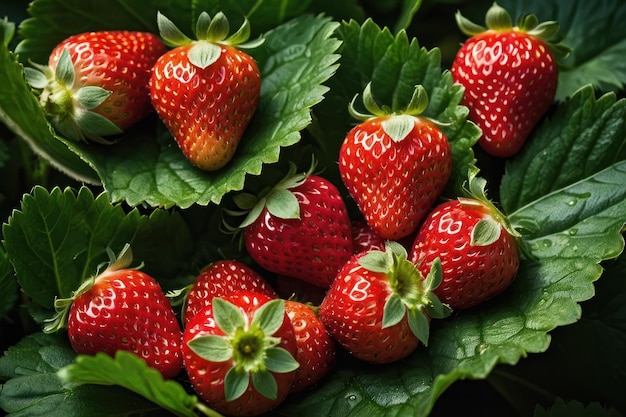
x,y
380,305
219,279
395,165
316,349
206,90
239,353
510,77
300,228
122,309
96,83
365,238
476,246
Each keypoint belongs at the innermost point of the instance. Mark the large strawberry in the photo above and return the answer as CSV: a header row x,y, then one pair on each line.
x,y
96,83
510,77
221,278
316,349
239,353
475,244
395,165
380,305
300,228
122,309
206,90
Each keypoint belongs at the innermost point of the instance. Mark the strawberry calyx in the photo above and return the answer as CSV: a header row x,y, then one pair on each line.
x,y
62,305
488,229
251,346
397,123
279,200
211,34
68,104
411,293
498,19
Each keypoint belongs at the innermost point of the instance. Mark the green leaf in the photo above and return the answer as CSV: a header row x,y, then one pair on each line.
x,y
576,409
280,361
394,65
419,324
227,316
485,232
91,97
596,35
235,383
64,71
291,74
212,347
8,284
283,204
265,383
269,317
57,239
129,371
21,112
583,136
32,386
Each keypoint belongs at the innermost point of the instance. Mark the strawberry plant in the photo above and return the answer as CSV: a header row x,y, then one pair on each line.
x,y
551,342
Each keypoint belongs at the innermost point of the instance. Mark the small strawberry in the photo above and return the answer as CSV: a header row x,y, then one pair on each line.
x,y
365,238
122,309
219,279
379,306
206,91
240,352
510,77
96,83
476,246
395,165
300,229
316,349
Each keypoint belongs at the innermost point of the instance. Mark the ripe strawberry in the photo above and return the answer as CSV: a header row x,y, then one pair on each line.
x,y
395,166
510,77
219,279
206,91
300,228
96,83
122,309
239,353
365,238
476,246
379,306
316,349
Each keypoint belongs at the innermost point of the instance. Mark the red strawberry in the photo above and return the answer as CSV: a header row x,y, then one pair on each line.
x,y
240,352
316,349
122,309
379,306
206,91
365,238
96,83
510,77
395,166
476,246
300,228
219,279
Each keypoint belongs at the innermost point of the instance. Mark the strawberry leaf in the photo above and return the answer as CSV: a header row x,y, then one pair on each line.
x,y
129,371
394,65
8,285
32,386
57,239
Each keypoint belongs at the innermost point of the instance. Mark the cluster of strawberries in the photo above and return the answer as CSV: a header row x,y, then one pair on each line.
x,y
381,278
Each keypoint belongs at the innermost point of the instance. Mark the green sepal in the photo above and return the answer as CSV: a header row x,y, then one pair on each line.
x,y
204,53
485,232
93,126
265,384
213,348
36,78
419,325
227,316
280,361
497,18
65,72
394,311
218,28
398,127
171,35
236,382
7,31
269,317
91,97
283,204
